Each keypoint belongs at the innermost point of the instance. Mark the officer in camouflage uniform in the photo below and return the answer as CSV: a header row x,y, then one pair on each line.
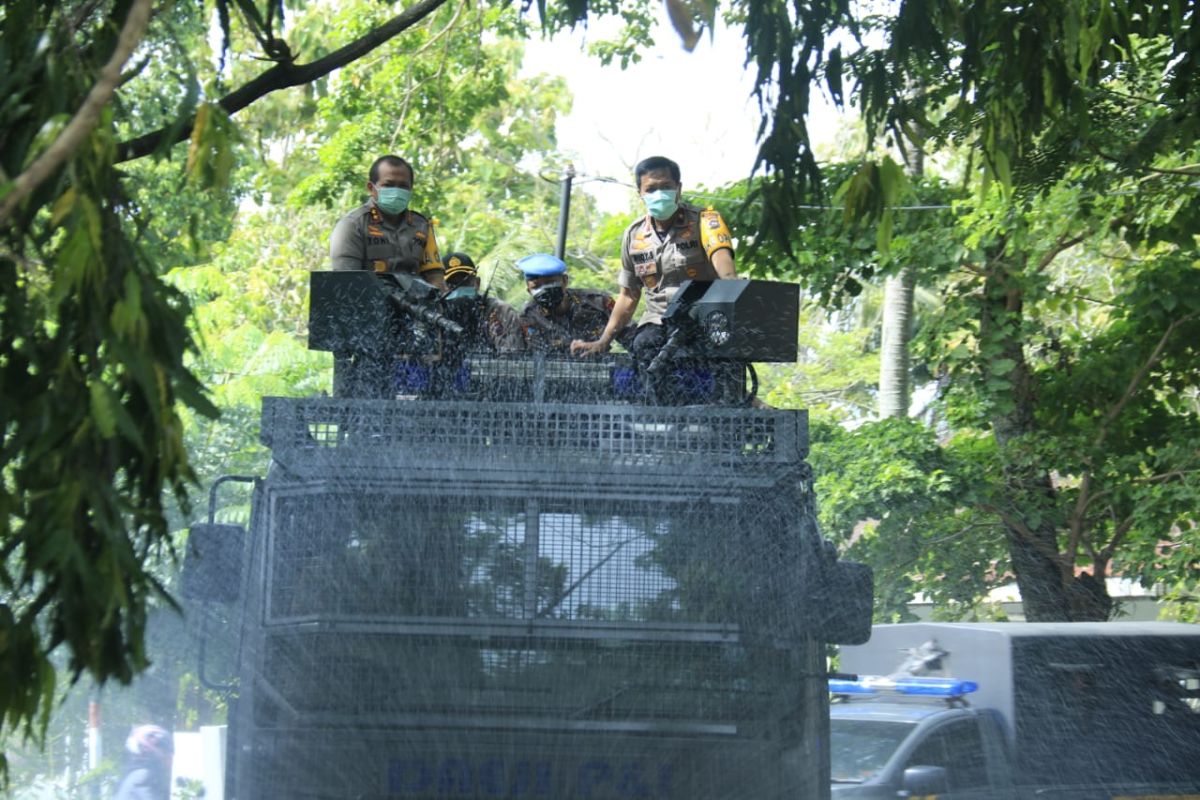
x,y
673,242
491,324
556,314
384,234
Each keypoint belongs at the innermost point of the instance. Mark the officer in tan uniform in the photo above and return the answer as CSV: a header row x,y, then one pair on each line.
x,y
673,242
491,323
384,234
557,314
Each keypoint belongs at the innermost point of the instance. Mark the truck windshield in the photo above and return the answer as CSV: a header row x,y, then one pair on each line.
x,y
383,603
861,747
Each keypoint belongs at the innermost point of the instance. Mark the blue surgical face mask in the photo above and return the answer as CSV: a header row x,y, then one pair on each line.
x,y
393,199
662,204
462,291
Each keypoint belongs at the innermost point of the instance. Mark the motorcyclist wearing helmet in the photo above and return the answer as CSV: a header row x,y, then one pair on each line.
x,y
149,750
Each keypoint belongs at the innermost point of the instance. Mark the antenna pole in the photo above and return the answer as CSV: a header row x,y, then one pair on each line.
x,y
564,211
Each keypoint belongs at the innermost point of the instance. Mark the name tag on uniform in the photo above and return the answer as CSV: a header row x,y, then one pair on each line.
x,y
647,271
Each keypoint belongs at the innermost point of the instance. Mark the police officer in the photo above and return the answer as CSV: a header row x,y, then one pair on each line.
x,y
384,234
673,242
491,323
557,314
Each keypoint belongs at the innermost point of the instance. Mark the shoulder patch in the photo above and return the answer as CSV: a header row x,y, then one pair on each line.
x,y
714,235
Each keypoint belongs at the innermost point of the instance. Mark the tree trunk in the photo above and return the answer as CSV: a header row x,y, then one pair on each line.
x,y
895,386
1042,577
894,383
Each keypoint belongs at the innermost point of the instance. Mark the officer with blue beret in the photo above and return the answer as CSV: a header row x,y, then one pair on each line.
x,y
556,314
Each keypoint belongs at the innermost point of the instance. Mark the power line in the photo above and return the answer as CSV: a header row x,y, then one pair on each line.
x,y
582,179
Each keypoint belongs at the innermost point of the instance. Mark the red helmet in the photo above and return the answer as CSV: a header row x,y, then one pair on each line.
x,y
150,740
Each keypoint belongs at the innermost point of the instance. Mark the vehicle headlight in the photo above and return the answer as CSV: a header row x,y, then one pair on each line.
x,y
717,328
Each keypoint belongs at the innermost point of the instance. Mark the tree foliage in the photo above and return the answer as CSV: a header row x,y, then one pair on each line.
x,y
1022,84
91,352
1072,253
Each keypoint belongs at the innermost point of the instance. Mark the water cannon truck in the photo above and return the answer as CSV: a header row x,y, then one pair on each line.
x,y
469,575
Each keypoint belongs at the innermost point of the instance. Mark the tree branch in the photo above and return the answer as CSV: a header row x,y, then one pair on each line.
x,y
81,15
86,117
1062,244
134,71
411,91
285,75
1160,478
1190,171
1118,534
1135,382
1019,526
1081,504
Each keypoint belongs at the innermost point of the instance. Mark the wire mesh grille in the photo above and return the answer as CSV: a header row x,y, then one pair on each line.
x,y
661,686
311,436
541,379
369,555
641,616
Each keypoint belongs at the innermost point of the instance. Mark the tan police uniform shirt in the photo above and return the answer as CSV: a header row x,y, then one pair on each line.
x,y
366,239
657,265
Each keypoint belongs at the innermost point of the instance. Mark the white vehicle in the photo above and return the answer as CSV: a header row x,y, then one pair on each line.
x,y
1019,710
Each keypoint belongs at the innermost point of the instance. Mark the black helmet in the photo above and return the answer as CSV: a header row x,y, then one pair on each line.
x,y
460,266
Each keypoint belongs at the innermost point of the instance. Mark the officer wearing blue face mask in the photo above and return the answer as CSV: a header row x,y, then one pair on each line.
x,y
491,324
384,234
675,241
557,314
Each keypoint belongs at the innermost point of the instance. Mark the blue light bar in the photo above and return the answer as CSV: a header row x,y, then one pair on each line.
x,y
925,687
936,687
839,686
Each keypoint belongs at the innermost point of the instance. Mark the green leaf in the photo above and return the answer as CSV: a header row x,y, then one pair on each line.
x,y
103,407
1002,366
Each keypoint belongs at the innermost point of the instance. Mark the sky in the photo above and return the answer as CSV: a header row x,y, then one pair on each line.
x,y
695,108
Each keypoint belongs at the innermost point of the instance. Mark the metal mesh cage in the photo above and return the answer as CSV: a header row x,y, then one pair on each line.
x,y
375,678
525,599
557,608
354,554
540,378
320,436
